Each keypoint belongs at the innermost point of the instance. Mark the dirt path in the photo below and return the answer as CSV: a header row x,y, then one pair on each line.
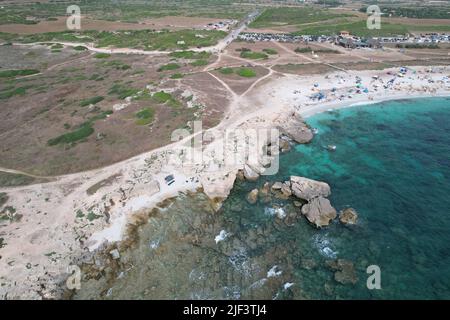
x,y
12,171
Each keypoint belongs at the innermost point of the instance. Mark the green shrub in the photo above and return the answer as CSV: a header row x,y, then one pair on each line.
x,y
226,70
80,48
246,72
93,100
15,73
253,55
84,131
199,63
122,92
102,55
168,67
162,97
270,51
177,76
145,116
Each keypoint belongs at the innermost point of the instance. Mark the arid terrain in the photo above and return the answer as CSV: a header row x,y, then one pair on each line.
x,y
87,130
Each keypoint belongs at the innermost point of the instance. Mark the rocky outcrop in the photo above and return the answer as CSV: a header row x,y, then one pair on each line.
x,y
284,145
307,189
319,211
296,129
345,272
348,216
252,197
250,174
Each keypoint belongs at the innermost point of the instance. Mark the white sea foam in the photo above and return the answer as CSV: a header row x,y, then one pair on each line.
x,y
287,285
274,272
221,236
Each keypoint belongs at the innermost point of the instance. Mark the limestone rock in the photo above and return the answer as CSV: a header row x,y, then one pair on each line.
x,y
346,273
252,197
115,254
348,216
319,212
250,174
307,189
277,186
296,129
284,145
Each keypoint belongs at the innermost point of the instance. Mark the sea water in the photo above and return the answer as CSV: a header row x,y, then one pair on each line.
x,y
391,164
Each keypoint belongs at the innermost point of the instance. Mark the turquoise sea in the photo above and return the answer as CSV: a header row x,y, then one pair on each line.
x,y
392,164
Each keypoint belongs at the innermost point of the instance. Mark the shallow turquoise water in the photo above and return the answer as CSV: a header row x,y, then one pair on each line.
x,y
392,164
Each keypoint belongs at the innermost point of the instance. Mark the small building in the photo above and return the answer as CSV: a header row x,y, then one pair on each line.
x,y
344,34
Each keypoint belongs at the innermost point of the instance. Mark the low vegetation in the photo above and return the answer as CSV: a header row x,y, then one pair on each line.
x,y
246,72
83,131
199,63
168,67
253,55
190,55
226,70
145,116
12,180
102,55
270,51
17,73
310,50
122,91
93,100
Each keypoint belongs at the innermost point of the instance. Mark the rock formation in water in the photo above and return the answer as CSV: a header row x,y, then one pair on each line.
x,y
252,197
307,189
319,211
296,129
348,216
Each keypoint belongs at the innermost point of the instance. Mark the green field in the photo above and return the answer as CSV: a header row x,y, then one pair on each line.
x,y
253,55
17,73
274,17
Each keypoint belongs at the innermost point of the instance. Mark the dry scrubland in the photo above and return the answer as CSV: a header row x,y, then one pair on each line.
x,y
86,110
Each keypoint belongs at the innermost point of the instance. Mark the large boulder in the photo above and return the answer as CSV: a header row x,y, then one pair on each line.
x,y
296,129
307,189
250,174
252,197
319,212
348,216
345,272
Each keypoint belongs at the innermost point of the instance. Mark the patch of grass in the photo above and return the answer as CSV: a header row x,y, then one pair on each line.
x,y
122,91
57,46
80,48
177,76
226,70
246,72
91,216
168,67
83,131
253,55
16,73
89,101
145,116
13,92
199,63
117,64
102,55
270,51
190,55
162,97
273,17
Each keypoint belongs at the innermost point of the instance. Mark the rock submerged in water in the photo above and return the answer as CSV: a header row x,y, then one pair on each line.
x,y
348,216
345,272
319,212
252,197
307,189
